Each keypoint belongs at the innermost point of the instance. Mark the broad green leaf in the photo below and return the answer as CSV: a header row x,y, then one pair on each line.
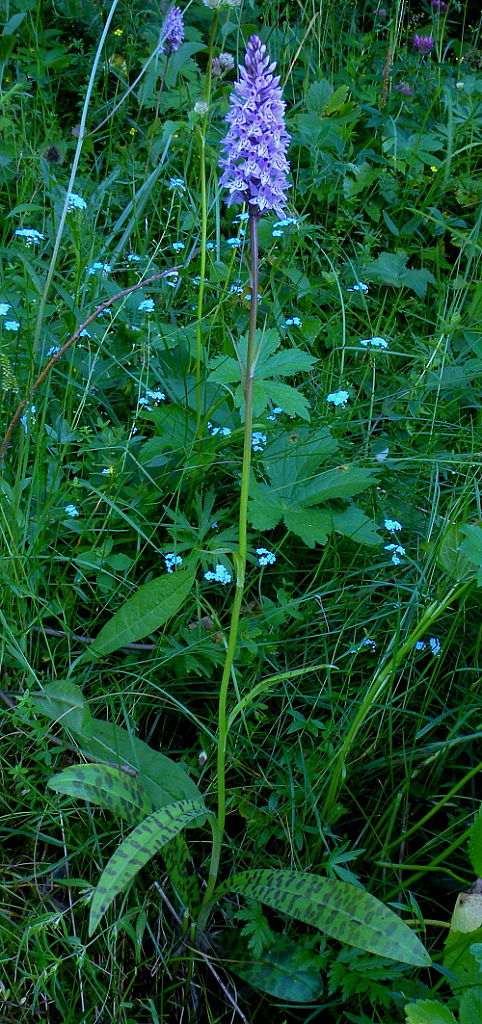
x,y
296,485
137,849
475,844
353,523
338,909
465,932
470,1010
64,703
162,779
313,525
391,268
429,1011
286,970
153,604
103,784
450,556
472,547
270,364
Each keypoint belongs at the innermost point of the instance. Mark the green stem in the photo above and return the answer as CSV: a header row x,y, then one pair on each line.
x,y
240,561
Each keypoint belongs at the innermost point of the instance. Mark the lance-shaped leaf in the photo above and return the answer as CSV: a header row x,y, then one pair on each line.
x,y
338,909
138,848
162,779
107,786
145,612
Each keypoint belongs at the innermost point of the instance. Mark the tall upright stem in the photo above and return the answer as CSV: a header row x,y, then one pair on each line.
x,y
248,371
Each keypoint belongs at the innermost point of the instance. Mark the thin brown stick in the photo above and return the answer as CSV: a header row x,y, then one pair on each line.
x,y
73,337
49,631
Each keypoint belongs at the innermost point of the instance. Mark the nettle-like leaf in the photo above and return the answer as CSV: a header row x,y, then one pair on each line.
x,y
146,611
391,268
270,364
107,786
297,485
429,1011
138,848
338,909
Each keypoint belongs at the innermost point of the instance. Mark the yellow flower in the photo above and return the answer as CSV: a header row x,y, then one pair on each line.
x,y
434,169
118,31
132,131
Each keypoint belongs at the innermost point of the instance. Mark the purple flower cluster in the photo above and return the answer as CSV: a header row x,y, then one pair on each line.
x,y
423,44
255,167
172,32
439,5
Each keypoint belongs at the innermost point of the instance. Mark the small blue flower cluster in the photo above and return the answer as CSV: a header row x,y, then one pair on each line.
x,y
31,235
374,343
397,552
393,525
11,325
221,431
367,642
178,246
71,510
276,411
76,202
146,306
172,560
151,396
4,308
358,287
258,441
265,557
338,397
277,231
434,644
104,267
293,321
177,183
220,575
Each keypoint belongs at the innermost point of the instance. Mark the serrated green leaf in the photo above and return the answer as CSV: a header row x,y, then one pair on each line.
x,y
137,849
64,703
313,525
341,482
286,970
475,844
353,523
107,786
429,1011
338,909
153,604
291,401
470,1010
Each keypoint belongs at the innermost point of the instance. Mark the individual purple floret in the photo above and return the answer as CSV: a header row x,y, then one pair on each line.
x,y
254,166
172,32
423,44
404,89
439,5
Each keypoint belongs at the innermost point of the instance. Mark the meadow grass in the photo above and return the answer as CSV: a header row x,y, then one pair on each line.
x,y
348,741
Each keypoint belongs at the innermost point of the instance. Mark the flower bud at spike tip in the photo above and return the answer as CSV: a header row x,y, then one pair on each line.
x,y
254,166
172,33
